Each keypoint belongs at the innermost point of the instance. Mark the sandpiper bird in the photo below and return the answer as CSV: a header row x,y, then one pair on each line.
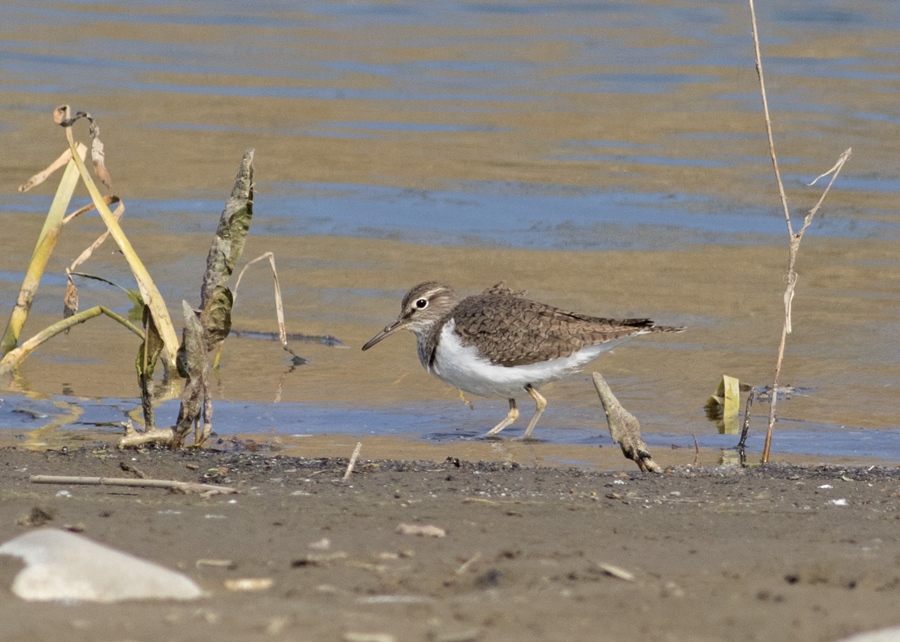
x,y
500,344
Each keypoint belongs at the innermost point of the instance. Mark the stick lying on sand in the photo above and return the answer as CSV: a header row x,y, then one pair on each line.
x,y
185,487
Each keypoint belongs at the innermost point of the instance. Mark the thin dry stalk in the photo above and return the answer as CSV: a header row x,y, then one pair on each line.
x,y
353,459
71,296
468,563
13,358
149,292
765,103
279,305
794,238
185,487
86,254
42,251
789,290
42,176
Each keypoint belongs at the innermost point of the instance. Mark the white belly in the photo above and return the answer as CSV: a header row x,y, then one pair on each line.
x,y
462,367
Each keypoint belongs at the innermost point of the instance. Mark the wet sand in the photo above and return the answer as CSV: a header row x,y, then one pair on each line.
x,y
530,553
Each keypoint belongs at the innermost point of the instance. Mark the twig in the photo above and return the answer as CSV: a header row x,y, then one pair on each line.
x,y
117,214
765,103
745,429
353,459
279,305
185,487
133,437
696,451
616,571
41,176
794,239
465,565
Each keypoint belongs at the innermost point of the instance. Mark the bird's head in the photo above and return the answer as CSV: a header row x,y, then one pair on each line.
x,y
422,307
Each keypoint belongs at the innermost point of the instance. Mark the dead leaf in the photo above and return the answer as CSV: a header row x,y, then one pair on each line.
x,y
70,301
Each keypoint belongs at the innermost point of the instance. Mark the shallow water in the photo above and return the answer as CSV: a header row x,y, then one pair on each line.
x,y
607,157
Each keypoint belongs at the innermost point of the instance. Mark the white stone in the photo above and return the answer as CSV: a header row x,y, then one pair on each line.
x,y
64,566
881,635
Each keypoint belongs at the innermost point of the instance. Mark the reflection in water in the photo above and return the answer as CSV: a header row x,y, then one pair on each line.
x,y
607,157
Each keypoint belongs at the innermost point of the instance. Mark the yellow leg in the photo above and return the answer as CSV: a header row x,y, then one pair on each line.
x,y
510,417
540,403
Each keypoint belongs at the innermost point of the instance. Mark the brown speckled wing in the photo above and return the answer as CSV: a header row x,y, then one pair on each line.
x,y
513,331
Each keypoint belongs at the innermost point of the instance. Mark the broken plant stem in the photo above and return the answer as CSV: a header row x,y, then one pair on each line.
x,y
133,438
789,295
624,428
468,563
745,430
765,104
186,487
62,160
42,251
353,459
793,239
88,251
15,357
152,298
94,277
279,305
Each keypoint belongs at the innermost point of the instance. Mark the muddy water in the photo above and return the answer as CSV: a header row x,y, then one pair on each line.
x,y
608,158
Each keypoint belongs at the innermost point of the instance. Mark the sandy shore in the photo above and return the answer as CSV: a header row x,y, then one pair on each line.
x,y
775,553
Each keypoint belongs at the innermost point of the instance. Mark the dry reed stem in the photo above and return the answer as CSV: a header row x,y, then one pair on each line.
x,y
13,358
468,563
353,459
279,303
90,207
794,238
43,175
152,298
43,249
185,487
62,116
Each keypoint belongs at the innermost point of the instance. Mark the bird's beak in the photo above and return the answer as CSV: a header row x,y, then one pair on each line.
x,y
399,324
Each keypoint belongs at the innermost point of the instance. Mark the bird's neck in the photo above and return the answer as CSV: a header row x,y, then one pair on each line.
x,y
427,338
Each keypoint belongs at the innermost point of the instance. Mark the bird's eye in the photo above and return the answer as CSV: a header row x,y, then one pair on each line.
x,y
422,304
